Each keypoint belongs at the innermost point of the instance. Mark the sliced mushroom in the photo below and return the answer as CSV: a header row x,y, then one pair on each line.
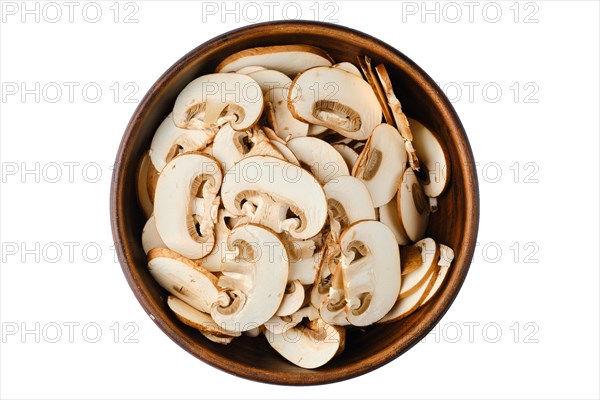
x,y
348,154
320,157
276,187
333,306
150,237
349,201
145,198
289,59
197,319
183,278
188,187
308,347
254,332
348,67
286,126
250,69
432,157
269,79
369,261
365,66
417,277
336,99
215,99
388,214
256,283
293,299
413,207
316,130
286,152
446,257
170,140
214,261
381,164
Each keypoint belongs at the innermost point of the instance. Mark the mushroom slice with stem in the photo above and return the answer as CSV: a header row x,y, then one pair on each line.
x,y
197,319
348,67
336,99
276,187
369,261
381,164
348,201
188,187
308,346
214,261
289,59
319,157
183,278
279,325
170,140
417,277
215,99
432,158
150,237
254,279
285,125
348,154
388,214
413,207
293,298
145,175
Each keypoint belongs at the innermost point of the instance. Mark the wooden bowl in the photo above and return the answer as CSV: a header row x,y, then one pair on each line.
x,y
455,224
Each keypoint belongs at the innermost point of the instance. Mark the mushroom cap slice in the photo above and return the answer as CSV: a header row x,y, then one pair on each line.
x,y
255,278
316,130
286,125
370,263
284,184
382,163
195,318
413,206
348,67
229,146
431,154
176,196
445,260
249,69
308,347
286,152
429,256
289,59
170,140
150,237
183,278
388,214
143,185
349,200
322,159
336,99
293,299
348,154
269,79
215,99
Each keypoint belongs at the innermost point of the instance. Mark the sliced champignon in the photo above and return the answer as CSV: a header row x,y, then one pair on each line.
x,y
255,278
367,69
197,319
308,346
316,130
276,187
304,262
250,69
183,278
279,325
348,154
215,99
381,164
348,201
150,237
418,276
293,298
254,332
270,79
289,59
413,207
217,338
348,67
286,126
336,99
144,182
446,257
319,157
432,157
214,261
388,214
333,306
286,152
170,140
186,204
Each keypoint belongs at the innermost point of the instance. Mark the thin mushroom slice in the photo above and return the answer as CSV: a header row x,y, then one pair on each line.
x,y
169,140
333,305
293,299
215,99
279,325
197,319
348,67
413,207
320,157
308,347
445,261
188,188
370,260
316,130
381,164
367,69
349,155
276,187
429,256
254,280
150,237
143,190
250,69
432,157
388,214
286,126
286,152
183,278
349,201
336,99
289,59
270,79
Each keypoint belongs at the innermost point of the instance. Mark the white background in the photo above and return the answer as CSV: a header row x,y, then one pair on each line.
x,y
531,296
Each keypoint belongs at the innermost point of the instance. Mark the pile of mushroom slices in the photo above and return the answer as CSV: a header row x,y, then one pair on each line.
x,y
278,203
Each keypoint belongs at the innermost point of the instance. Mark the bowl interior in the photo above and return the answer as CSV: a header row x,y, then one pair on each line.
x,y
455,224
